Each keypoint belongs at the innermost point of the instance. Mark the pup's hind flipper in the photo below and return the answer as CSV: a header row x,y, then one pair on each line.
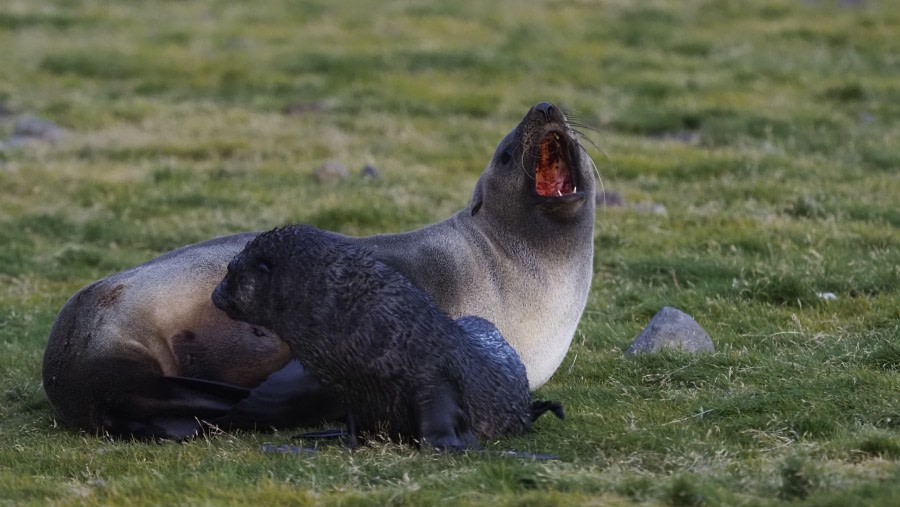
x,y
538,407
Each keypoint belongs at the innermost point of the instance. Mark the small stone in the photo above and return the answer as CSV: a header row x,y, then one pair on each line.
x,y
673,329
650,207
867,118
32,128
298,108
369,171
20,141
827,296
609,198
683,136
330,172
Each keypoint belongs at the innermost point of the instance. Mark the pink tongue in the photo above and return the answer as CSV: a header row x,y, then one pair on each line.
x,y
547,182
551,175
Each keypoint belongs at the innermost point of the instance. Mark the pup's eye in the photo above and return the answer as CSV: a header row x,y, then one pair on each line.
x,y
505,157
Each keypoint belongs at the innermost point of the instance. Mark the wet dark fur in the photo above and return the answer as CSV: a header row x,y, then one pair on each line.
x,y
403,368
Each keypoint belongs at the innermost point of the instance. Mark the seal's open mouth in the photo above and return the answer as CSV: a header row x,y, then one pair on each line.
x,y
552,177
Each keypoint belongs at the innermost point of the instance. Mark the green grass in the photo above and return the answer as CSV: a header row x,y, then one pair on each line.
x,y
769,130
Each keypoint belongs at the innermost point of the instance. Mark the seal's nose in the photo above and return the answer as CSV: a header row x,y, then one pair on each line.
x,y
546,109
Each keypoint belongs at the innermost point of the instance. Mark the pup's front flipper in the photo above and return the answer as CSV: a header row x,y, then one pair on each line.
x,y
442,423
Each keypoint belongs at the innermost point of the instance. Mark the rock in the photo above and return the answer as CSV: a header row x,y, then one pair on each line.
x,y
20,141
671,328
298,108
609,198
650,207
30,128
330,172
369,171
682,136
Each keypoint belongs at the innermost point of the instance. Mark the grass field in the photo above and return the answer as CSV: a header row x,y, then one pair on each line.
x,y
769,131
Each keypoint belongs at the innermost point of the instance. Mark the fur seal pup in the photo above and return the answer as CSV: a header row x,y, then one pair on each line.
x,y
401,366
145,353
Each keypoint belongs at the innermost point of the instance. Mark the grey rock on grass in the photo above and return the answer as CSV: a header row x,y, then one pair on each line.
x,y
614,199
30,128
609,198
671,328
650,207
369,171
330,172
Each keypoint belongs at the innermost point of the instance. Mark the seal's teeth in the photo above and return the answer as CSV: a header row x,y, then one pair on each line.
x,y
574,190
559,192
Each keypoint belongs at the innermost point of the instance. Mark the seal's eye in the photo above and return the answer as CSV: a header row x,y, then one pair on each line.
x,y
505,157
263,266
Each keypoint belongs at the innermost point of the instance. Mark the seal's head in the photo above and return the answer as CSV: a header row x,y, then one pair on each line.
x,y
255,287
540,174
245,283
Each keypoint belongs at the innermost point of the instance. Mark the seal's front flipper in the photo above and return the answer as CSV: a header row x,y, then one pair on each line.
x,y
538,407
353,432
153,427
170,407
204,395
289,397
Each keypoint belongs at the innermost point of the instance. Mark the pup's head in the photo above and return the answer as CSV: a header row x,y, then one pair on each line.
x,y
262,280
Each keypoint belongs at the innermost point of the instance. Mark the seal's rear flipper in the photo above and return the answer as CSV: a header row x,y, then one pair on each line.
x,y
540,406
289,397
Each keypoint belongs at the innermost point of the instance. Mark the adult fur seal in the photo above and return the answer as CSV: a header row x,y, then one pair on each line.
x,y
145,353
402,368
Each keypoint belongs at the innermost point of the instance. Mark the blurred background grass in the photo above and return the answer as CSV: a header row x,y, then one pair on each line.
x,y
764,137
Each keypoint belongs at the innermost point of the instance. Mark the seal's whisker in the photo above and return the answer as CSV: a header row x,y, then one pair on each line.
x,y
580,124
594,167
569,114
595,145
590,141
524,153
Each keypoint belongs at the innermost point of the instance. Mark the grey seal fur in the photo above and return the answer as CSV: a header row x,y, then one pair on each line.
x,y
145,353
402,368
